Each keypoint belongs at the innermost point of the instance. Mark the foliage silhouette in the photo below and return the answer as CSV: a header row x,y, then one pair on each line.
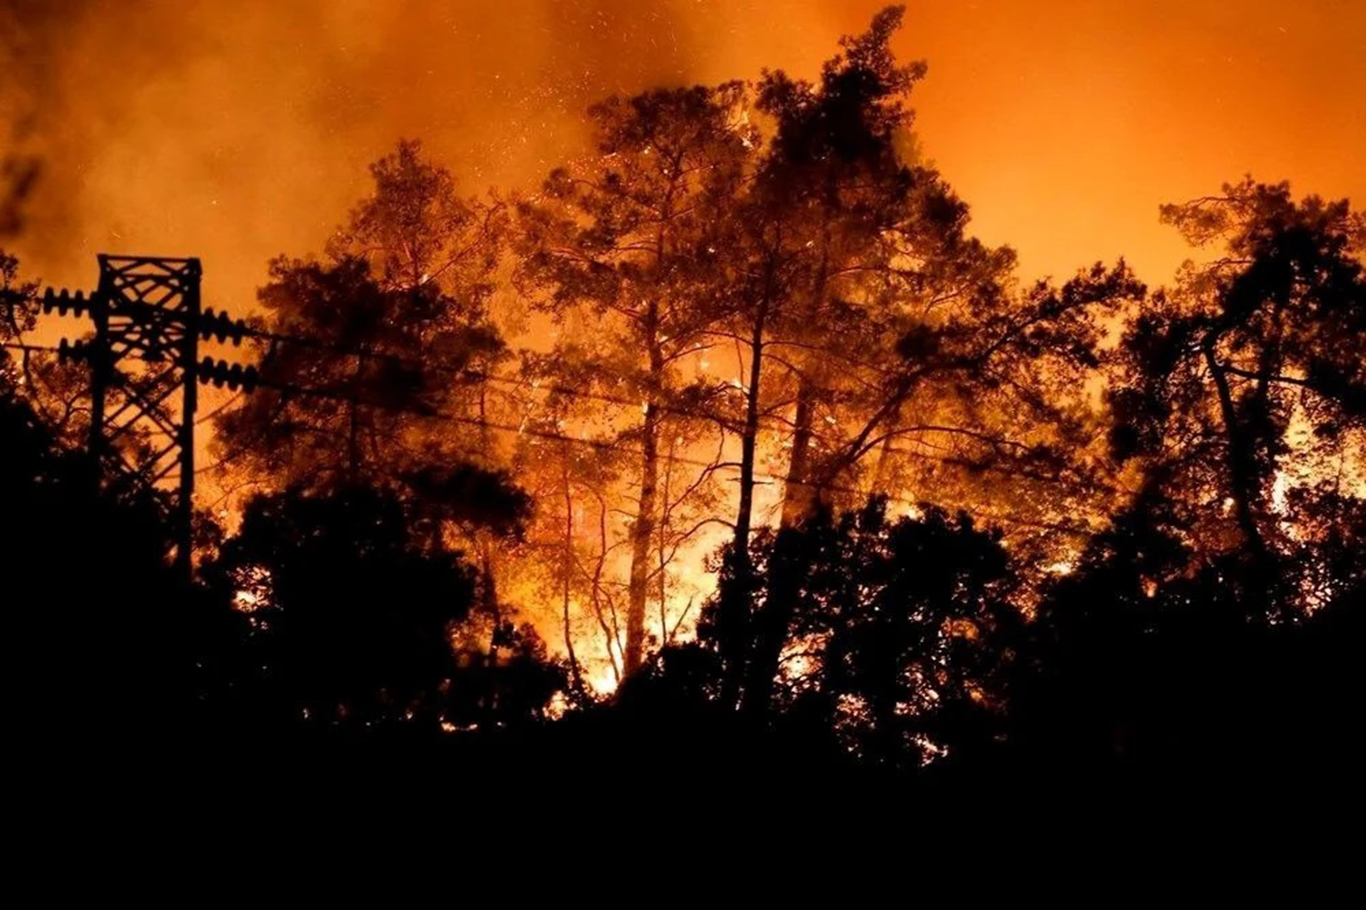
x,y
351,617
1138,666
901,635
105,643
1248,373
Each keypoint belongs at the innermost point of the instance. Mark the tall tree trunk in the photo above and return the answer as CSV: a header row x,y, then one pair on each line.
x,y
575,681
749,441
788,568
662,545
1242,481
642,530
798,495
735,603
1238,456
353,424
488,578
484,540
488,589
878,483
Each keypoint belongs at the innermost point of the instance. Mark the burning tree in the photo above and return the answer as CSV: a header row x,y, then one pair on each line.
x,y
621,249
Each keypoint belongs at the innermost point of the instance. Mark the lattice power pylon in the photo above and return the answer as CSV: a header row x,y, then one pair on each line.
x,y
144,371
144,375
143,389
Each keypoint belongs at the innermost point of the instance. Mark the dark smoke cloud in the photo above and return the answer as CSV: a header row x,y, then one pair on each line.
x,y
239,129
18,176
236,130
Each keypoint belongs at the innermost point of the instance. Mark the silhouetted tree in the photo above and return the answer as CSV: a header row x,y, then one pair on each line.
x,y
354,613
1143,664
390,385
421,237
347,404
105,642
901,632
18,298
1243,387
55,390
896,325
351,617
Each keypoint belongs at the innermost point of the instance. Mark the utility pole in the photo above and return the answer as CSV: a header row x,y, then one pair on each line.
x,y
189,401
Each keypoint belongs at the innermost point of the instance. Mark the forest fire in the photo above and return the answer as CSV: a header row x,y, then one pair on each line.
x,y
626,373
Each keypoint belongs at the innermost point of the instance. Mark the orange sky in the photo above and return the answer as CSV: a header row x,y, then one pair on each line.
x,y
238,130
